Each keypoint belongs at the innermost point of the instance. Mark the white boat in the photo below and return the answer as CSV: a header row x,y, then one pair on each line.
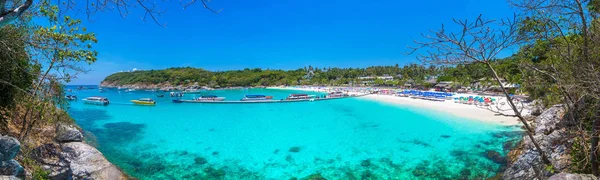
x,y
71,97
300,96
210,98
256,98
96,100
191,91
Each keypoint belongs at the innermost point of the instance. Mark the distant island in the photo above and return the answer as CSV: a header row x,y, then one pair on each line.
x,y
412,74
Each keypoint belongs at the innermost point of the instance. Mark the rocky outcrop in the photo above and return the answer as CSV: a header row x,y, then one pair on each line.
x,y
566,176
86,162
551,137
68,133
8,178
9,147
72,159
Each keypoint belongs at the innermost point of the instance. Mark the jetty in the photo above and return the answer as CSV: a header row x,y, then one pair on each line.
x,y
266,101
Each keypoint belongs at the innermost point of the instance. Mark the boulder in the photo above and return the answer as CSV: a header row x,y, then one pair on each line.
x,y
495,156
11,168
9,147
86,162
68,133
49,155
567,176
548,120
9,178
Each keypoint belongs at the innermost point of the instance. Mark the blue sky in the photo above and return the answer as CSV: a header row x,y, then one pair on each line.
x,y
276,34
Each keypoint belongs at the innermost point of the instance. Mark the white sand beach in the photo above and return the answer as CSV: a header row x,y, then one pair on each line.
x,y
472,112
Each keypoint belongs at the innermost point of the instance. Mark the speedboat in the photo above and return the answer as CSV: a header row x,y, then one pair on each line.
x,y
300,96
256,98
71,97
96,100
191,91
210,98
144,101
336,94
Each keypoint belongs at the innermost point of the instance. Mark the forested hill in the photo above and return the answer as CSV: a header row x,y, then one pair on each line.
x,y
463,74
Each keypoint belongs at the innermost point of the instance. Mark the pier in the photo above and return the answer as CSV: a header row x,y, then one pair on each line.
x,y
267,101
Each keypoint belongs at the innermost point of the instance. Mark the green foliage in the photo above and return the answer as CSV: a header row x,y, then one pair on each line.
x,y
15,72
463,74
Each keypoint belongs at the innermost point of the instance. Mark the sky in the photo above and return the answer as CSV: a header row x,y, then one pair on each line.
x,y
274,34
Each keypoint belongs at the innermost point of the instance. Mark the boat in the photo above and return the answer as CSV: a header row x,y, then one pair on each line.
x,y
191,91
144,101
160,95
256,98
176,94
96,100
300,96
210,98
336,94
71,97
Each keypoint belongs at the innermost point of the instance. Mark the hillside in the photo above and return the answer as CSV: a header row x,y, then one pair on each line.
x,y
308,76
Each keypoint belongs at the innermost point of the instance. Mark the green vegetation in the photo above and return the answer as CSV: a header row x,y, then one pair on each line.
x,y
413,73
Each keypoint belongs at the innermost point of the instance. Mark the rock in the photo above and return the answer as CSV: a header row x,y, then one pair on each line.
x,y
365,163
537,108
9,147
522,168
88,163
567,176
548,120
295,149
49,155
11,168
200,160
9,178
495,156
68,133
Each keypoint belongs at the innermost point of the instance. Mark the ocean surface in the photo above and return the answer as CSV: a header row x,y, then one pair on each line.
x,y
350,138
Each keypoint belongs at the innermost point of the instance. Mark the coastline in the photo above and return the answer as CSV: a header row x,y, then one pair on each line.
x,y
471,112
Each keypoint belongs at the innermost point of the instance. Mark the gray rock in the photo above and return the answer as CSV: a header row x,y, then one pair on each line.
x,y
547,121
88,163
523,167
11,168
9,147
567,176
68,133
551,139
9,178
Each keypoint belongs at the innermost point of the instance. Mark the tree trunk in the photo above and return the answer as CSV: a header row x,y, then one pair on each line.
x,y
594,149
530,131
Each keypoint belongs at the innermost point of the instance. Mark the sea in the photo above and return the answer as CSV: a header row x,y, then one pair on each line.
x,y
351,138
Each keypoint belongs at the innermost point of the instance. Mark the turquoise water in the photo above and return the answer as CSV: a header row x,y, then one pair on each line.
x,y
339,139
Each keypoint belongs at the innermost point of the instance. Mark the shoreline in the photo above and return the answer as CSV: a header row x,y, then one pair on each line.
x,y
471,112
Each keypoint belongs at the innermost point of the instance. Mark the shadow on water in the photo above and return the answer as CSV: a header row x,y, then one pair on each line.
x,y
86,118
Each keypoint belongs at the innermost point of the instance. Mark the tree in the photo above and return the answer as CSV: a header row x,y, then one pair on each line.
x,y
479,41
152,11
562,54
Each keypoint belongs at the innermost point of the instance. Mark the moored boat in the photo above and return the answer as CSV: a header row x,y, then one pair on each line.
x,y
191,91
96,100
144,101
210,98
256,98
300,96
71,97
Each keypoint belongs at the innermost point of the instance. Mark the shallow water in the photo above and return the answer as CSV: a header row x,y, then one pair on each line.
x,y
339,139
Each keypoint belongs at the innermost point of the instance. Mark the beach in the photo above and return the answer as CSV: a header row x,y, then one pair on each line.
x,y
472,112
